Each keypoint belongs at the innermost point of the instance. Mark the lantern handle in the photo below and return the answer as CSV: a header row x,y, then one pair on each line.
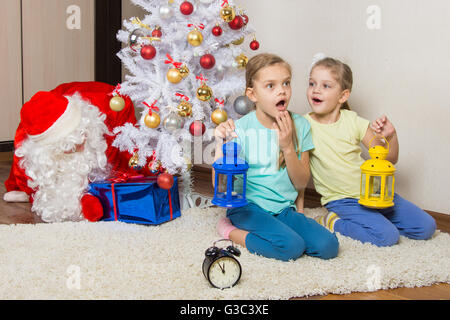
x,y
370,143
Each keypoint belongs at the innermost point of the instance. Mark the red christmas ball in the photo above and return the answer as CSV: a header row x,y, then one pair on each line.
x,y
157,33
237,23
148,52
245,18
197,128
165,181
186,8
217,31
207,61
254,45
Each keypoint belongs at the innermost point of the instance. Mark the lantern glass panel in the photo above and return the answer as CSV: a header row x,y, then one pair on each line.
x,y
222,186
375,187
389,183
363,184
239,183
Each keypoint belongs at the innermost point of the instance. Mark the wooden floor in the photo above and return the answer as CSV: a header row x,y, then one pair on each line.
x,y
19,213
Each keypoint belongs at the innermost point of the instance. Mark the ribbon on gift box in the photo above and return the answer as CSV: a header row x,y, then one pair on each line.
x,y
124,177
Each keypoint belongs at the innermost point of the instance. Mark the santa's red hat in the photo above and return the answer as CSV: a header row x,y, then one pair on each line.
x,y
48,116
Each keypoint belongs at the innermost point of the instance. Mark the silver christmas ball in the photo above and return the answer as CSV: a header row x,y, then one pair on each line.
x,y
165,12
173,122
206,1
135,37
243,105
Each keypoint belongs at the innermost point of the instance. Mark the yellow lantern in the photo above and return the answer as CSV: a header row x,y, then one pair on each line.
x,y
377,179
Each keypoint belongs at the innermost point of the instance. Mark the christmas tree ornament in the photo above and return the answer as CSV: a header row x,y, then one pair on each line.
x,y
165,181
185,109
184,71
135,37
174,76
204,93
206,1
195,38
154,166
157,33
186,8
243,105
219,115
237,23
241,61
245,18
207,61
254,45
134,162
166,12
117,104
148,52
173,122
238,42
152,119
217,31
197,128
227,13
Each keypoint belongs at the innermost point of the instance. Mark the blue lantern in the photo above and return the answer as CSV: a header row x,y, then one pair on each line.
x,y
228,168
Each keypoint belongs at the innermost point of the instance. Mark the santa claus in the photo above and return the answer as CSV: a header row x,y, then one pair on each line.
x,y
63,142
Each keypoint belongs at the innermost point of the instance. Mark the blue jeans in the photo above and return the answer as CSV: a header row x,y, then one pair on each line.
x,y
382,227
285,236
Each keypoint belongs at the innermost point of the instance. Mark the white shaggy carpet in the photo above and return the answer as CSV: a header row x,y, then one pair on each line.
x,y
110,260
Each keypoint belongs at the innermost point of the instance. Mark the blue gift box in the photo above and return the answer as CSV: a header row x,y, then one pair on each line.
x,y
139,201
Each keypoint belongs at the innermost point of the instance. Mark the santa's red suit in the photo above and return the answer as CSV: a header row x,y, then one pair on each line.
x,y
57,120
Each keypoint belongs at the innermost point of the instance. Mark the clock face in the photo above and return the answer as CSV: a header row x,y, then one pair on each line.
x,y
225,272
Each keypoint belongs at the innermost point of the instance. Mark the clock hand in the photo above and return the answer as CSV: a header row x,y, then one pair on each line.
x,y
222,268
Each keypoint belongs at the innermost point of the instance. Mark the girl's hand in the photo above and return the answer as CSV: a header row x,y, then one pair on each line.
x,y
383,127
283,127
225,131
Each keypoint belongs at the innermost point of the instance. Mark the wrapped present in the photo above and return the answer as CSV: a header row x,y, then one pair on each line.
x,y
137,200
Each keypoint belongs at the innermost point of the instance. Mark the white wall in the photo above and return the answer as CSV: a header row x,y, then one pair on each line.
x,y
401,70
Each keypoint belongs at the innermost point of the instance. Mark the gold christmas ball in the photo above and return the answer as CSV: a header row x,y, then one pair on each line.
x,y
238,41
204,93
241,61
134,162
185,109
195,38
117,104
184,71
174,75
219,116
152,121
228,14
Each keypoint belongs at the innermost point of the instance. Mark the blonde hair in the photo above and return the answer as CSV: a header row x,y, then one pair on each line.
x,y
342,73
254,65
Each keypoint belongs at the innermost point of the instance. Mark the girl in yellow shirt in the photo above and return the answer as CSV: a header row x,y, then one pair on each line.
x,y
335,163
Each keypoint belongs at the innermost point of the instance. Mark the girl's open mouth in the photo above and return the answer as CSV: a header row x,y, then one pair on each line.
x,y
317,101
281,105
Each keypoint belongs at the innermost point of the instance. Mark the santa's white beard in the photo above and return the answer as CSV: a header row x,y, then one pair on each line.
x,y
61,179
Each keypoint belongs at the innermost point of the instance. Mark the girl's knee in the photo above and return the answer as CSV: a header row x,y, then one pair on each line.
x,y
327,247
427,228
387,237
291,249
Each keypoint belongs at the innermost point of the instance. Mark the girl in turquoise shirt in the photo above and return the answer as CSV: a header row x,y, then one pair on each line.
x,y
275,143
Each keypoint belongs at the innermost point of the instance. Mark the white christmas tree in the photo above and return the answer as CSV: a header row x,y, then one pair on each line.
x,y
186,61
